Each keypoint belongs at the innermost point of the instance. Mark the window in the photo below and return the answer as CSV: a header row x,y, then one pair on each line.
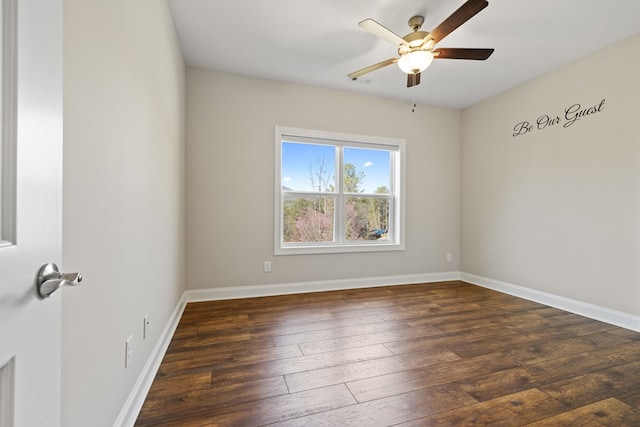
x,y
337,192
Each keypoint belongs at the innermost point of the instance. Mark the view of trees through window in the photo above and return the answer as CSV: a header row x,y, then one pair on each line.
x,y
316,209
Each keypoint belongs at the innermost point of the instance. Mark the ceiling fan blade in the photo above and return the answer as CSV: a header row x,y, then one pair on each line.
x,y
457,18
371,68
381,31
462,53
413,79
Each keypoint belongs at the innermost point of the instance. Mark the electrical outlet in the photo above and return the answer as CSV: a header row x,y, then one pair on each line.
x,y
145,326
267,266
128,351
449,257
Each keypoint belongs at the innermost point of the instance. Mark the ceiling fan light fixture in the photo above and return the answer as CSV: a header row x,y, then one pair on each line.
x,y
415,62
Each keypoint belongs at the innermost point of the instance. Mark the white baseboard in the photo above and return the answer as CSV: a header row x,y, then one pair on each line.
x,y
214,294
613,317
134,402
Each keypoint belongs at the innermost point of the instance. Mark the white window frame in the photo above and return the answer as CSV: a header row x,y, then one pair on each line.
x,y
397,200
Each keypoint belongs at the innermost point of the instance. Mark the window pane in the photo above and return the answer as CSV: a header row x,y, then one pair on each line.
x,y
308,167
367,218
308,219
367,170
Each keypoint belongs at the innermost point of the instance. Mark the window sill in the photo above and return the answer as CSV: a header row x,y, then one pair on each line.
x,y
338,249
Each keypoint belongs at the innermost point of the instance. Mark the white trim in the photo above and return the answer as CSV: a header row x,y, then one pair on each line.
x,y
235,292
7,392
613,317
133,405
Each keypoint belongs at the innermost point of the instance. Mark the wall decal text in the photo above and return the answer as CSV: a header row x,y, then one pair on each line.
x,y
571,115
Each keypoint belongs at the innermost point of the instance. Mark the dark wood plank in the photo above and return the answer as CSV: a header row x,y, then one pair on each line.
x,y
531,376
211,357
385,385
353,371
516,409
298,328
400,334
389,411
608,412
198,404
337,332
179,384
272,409
598,385
224,374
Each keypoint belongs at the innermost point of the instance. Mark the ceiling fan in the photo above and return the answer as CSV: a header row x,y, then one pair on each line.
x,y
416,49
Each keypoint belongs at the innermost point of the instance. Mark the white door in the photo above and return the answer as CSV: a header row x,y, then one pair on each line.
x,y
30,209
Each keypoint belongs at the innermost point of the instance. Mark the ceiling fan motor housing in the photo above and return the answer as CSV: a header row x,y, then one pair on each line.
x,y
415,22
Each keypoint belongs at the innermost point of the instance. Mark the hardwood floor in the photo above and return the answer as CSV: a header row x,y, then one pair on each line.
x,y
440,354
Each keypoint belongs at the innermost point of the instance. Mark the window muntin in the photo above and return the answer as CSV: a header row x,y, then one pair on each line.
x,y
337,192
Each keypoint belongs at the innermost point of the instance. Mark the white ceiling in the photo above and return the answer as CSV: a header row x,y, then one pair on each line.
x,y
318,42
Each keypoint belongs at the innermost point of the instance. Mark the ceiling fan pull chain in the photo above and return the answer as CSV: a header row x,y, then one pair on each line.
x,y
413,109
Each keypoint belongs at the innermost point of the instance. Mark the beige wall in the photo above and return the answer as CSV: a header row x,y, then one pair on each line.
x,y
558,209
123,196
230,179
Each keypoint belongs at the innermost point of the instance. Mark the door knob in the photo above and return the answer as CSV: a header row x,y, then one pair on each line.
x,y
50,280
